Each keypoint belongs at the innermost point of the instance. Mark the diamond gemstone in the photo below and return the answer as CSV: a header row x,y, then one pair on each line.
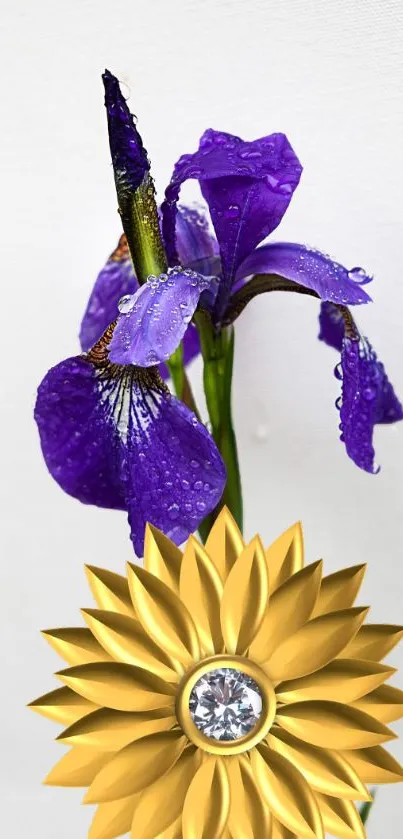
x,y
225,704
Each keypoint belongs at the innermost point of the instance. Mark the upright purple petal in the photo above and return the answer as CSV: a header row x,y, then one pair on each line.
x,y
367,396
247,186
129,157
116,437
115,280
154,321
309,268
193,237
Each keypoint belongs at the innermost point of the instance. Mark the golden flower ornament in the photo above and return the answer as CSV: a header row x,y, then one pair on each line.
x,y
225,691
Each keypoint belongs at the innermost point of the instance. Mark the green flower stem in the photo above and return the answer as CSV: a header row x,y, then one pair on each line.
x,y
218,356
139,215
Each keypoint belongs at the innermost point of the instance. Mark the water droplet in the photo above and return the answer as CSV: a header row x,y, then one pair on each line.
x,y
359,276
126,304
198,485
233,211
250,154
185,483
187,318
369,393
173,511
200,505
194,464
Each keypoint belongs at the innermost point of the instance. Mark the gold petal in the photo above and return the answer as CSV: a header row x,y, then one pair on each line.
x,y
324,769
375,765
113,818
168,793
173,832
77,768
249,816
162,558
125,640
244,600
206,808
314,644
373,641
344,680
339,590
164,616
289,608
286,793
340,818
62,705
112,730
285,556
76,645
110,591
201,591
280,831
332,725
224,543
136,766
385,703
119,686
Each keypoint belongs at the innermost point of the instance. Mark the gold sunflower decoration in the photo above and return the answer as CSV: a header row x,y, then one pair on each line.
x,y
226,691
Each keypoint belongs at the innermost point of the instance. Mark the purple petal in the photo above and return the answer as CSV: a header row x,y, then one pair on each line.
x,y
367,396
117,438
153,323
129,157
247,186
116,279
191,349
309,268
193,238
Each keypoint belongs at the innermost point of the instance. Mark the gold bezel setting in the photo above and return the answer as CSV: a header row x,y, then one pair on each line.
x,y
257,733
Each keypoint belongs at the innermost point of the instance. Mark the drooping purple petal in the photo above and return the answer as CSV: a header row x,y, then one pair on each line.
x,y
247,186
309,268
367,396
117,438
129,157
152,324
115,280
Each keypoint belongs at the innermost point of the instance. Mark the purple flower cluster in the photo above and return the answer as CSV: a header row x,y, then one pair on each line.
x,y
112,434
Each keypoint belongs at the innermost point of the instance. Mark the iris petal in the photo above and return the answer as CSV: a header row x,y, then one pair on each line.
x,y
367,396
247,186
115,280
117,438
307,267
156,318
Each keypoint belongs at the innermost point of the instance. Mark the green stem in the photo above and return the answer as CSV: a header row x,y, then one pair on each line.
x,y
218,356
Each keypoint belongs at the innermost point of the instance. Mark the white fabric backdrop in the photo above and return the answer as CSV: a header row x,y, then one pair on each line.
x,y
330,75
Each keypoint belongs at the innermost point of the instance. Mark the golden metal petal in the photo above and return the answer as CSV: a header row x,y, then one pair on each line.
x,y
341,818
110,730
324,769
76,645
109,590
162,558
285,556
375,765
289,607
125,640
344,680
249,816
339,590
206,807
63,705
201,591
385,703
164,616
173,832
332,725
113,818
286,793
244,599
280,831
224,543
161,803
77,768
119,686
373,641
136,766
314,644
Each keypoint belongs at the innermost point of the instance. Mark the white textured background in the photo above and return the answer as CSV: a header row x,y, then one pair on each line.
x,y
330,75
